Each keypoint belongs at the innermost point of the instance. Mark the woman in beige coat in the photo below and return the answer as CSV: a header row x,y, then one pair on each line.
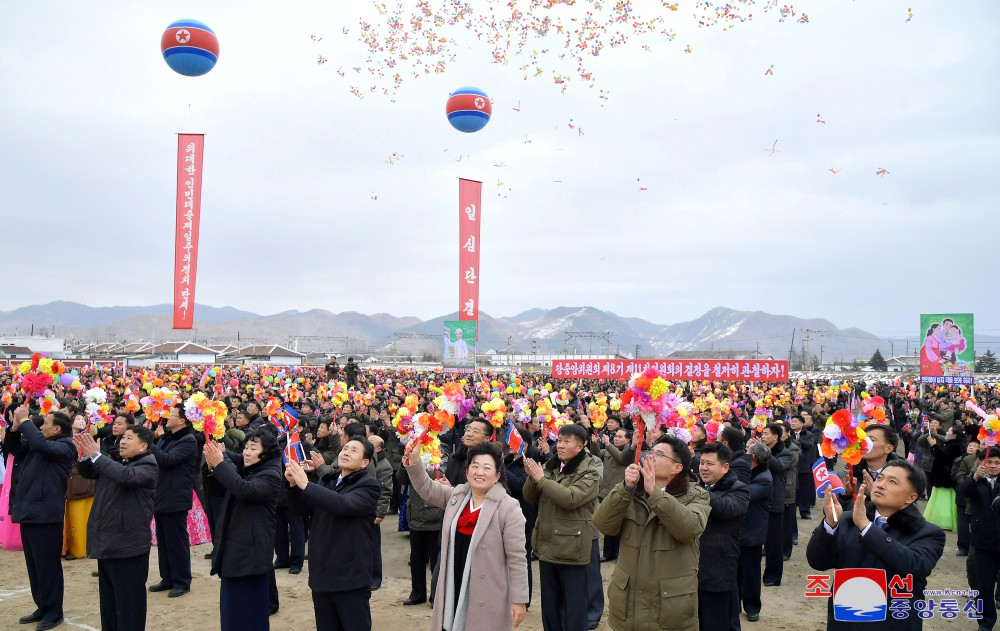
x,y
484,573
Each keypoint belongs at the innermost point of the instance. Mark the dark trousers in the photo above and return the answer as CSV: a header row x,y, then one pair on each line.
x,y
173,549
987,566
774,559
122,587
714,610
377,555
424,547
789,530
749,578
964,529
396,487
273,602
529,527
595,585
42,551
343,611
289,538
212,506
805,495
243,603
611,545
734,607
562,586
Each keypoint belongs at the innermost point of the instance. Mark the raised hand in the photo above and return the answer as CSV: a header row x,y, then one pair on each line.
x,y
632,474
649,474
860,516
296,475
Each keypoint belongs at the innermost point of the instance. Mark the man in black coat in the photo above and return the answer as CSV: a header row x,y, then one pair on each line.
x,y
753,534
351,373
780,467
342,543
981,490
177,455
805,496
37,503
887,533
118,533
475,431
720,543
740,461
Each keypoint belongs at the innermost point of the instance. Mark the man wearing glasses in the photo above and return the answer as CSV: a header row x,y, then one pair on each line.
x,y
660,517
478,430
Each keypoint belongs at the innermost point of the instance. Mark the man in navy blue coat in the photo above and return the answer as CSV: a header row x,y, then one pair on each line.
x,y
37,503
886,533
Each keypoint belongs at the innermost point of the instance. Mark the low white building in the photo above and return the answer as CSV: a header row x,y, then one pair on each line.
x,y
265,355
51,346
175,353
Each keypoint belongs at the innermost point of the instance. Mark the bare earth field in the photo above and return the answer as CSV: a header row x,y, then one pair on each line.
x,y
785,607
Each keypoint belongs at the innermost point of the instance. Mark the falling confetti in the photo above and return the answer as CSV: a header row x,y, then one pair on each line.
x,y
820,120
315,39
374,197
687,49
500,164
882,172
321,60
773,150
834,171
910,11
394,158
769,71
518,108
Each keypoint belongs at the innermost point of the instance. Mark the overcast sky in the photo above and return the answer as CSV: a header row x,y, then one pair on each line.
x,y
293,159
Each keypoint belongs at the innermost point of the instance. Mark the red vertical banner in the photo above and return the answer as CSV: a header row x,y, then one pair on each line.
x,y
190,149
469,218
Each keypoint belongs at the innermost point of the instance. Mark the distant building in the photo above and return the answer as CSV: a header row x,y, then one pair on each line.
x,y
15,352
495,358
175,353
265,355
903,363
51,346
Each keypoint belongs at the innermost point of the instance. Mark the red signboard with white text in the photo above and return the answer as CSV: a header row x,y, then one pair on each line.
x,y
775,370
189,159
469,215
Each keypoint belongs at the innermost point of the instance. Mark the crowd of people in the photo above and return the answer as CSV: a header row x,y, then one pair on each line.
x,y
696,522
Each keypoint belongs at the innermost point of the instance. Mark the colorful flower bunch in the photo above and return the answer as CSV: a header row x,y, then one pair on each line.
x,y
47,402
648,397
988,432
206,415
450,397
98,410
598,411
403,421
156,405
426,430
131,402
560,398
872,409
761,417
273,410
495,410
39,374
844,434
522,411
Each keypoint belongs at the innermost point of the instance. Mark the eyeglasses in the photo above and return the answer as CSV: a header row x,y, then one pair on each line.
x,y
473,430
660,454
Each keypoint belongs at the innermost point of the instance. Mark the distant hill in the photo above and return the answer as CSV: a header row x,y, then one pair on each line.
x,y
542,330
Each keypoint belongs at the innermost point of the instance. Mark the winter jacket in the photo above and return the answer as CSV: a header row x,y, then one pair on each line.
x,y
614,470
655,580
566,500
720,543
780,466
244,534
119,523
177,456
792,474
383,473
985,526
908,545
39,495
421,516
945,454
754,531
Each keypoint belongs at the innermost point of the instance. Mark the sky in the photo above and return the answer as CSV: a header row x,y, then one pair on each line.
x,y
663,200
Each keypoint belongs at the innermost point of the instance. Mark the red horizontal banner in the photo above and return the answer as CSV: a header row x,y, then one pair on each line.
x,y
676,369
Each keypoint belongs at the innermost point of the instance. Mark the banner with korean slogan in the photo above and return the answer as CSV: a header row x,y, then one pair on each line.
x,y
947,351
459,345
190,148
469,220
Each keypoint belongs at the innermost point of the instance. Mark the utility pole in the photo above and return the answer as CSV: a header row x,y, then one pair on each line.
x,y
637,351
791,348
821,349
892,348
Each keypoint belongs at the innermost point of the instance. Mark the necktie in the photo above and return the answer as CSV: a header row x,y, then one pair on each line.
x,y
881,521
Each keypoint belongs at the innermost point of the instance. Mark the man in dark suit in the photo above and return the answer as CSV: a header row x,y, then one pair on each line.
x,y
118,533
887,533
46,455
780,467
176,454
981,490
342,544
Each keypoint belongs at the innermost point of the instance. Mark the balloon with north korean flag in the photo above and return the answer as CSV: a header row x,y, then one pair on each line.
x,y
468,109
190,47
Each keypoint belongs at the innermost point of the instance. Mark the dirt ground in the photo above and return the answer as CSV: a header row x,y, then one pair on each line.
x,y
785,607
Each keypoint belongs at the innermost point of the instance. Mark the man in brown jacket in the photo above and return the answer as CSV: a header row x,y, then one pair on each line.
x,y
660,516
564,489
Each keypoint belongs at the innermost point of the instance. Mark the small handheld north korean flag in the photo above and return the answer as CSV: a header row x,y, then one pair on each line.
x,y
513,438
823,479
294,450
291,417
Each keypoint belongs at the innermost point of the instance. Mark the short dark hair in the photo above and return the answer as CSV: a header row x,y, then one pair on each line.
x,y
679,447
267,439
129,418
144,434
574,430
355,428
486,449
916,477
732,437
992,452
721,451
368,447
888,433
799,416
776,429
63,422
488,432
